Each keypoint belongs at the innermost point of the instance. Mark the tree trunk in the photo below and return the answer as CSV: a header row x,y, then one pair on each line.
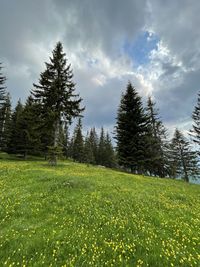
x,y
56,133
53,161
25,155
186,178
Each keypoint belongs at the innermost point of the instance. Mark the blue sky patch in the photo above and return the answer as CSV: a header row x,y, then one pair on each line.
x,y
141,47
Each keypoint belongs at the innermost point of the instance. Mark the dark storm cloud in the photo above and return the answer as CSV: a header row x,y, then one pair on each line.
x,y
93,33
31,29
178,102
100,24
22,23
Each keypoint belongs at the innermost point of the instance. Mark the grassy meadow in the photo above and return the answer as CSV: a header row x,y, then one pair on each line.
x,y
79,215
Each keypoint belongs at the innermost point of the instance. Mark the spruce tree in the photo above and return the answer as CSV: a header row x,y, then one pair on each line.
x,y
78,144
29,124
184,162
5,123
131,129
89,156
101,150
94,141
70,147
2,86
156,142
16,144
105,152
195,132
56,93
2,102
109,154
65,141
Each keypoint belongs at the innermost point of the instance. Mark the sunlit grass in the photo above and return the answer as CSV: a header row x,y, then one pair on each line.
x,y
75,215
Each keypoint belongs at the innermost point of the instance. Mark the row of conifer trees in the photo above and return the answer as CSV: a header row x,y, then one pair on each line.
x,y
21,135
143,145
41,127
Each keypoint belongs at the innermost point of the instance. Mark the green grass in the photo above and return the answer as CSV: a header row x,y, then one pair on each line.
x,y
75,215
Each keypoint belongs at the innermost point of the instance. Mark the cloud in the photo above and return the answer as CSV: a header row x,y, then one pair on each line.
x,y
161,58
176,63
100,25
176,22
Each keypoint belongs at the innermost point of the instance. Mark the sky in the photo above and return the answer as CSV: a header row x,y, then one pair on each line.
x,y
154,44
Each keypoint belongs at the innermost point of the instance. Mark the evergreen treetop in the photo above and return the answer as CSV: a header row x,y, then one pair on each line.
x,y
131,129
56,93
184,159
2,85
195,132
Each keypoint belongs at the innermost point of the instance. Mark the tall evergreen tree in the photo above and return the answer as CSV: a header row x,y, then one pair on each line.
x,y
89,156
131,131
101,150
109,155
94,141
195,132
183,159
16,141
65,141
56,93
156,142
2,86
105,152
5,123
78,144
29,124
2,101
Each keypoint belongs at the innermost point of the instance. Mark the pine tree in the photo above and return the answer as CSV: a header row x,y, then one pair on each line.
x,y
65,141
29,124
109,155
89,157
105,151
78,144
56,94
5,123
101,150
16,141
131,131
91,147
2,86
195,132
2,102
70,147
156,142
183,159
94,141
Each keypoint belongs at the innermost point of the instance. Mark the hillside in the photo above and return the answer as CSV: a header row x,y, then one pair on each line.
x,y
75,215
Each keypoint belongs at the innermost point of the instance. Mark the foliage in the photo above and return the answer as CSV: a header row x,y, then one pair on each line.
x,y
78,143
5,123
54,152
156,142
16,142
89,156
2,86
55,92
184,161
131,130
195,132
91,146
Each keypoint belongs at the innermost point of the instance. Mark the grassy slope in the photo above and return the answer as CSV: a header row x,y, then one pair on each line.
x,y
75,215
